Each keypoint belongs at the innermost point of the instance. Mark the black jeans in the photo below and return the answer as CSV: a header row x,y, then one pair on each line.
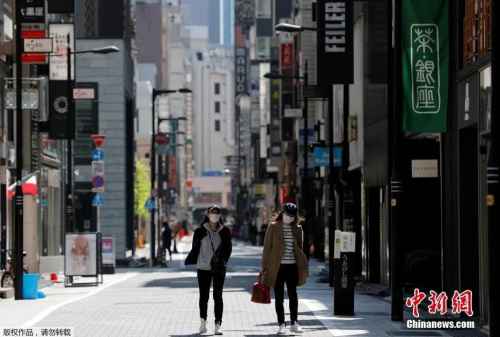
x,y
204,281
287,274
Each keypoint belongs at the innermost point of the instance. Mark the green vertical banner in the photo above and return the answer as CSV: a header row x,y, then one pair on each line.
x,y
425,58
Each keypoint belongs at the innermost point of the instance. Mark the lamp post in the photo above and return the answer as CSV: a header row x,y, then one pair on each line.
x,y
164,164
69,190
18,213
154,95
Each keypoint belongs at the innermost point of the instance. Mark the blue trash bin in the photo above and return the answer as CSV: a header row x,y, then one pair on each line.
x,y
30,286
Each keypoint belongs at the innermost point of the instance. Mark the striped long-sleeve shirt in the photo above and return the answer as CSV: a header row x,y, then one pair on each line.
x,y
288,256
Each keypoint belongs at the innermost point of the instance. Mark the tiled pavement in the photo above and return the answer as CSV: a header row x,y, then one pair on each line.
x,y
163,302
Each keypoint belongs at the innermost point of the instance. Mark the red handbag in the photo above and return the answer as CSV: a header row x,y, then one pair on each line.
x,y
260,292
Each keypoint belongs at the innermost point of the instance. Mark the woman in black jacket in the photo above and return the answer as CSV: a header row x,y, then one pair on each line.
x,y
210,252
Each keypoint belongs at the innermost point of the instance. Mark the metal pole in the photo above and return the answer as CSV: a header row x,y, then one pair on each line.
x,y
69,200
305,183
153,174
493,181
98,219
18,214
331,187
394,169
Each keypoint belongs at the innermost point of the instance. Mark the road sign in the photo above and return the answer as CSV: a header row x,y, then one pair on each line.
x,y
97,200
321,157
38,45
98,184
97,155
98,168
150,204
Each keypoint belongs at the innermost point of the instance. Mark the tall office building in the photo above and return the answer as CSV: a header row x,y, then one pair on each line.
x,y
99,24
217,15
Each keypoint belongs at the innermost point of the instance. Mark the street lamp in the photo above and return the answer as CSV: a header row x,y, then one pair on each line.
x,y
154,95
102,51
292,28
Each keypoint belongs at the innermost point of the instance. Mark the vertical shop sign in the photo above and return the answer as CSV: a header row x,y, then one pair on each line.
x,y
335,42
425,48
241,71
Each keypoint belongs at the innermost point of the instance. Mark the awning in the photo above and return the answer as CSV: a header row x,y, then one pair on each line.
x,y
29,186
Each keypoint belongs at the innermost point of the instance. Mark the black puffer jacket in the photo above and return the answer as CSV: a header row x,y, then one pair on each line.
x,y
223,251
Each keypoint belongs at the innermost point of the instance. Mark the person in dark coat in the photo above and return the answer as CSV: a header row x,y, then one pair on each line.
x,y
166,238
211,244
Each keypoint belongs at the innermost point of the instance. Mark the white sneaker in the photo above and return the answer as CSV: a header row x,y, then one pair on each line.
x,y
217,329
203,326
281,329
295,328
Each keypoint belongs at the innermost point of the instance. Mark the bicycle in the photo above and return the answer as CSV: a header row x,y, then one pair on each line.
x,y
8,276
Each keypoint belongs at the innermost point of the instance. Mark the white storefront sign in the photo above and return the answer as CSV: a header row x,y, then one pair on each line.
x,y
424,168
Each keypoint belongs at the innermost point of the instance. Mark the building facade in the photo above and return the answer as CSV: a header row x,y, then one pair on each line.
x,y
213,109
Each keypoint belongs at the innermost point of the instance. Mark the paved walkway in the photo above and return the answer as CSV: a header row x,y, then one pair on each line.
x,y
163,302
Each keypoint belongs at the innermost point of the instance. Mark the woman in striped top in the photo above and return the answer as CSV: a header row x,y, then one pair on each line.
x,y
284,262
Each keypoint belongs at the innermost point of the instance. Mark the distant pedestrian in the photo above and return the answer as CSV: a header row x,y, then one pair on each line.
x,y
166,238
210,253
283,261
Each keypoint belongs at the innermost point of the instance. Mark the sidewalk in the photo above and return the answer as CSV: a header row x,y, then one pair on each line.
x,y
371,314
164,302
24,313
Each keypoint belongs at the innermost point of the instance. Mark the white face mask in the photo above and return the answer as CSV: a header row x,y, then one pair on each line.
x,y
288,219
214,218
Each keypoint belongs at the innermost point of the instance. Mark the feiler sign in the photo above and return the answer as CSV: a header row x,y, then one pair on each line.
x,y
335,42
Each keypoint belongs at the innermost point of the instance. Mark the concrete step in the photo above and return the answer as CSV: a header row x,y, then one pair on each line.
x,y
6,292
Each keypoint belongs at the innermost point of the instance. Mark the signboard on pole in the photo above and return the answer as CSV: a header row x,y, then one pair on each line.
x,y
98,168
425,62
58,64
97,200
335,42
33,31
42,45
32,10
98,184
321,158
62,117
